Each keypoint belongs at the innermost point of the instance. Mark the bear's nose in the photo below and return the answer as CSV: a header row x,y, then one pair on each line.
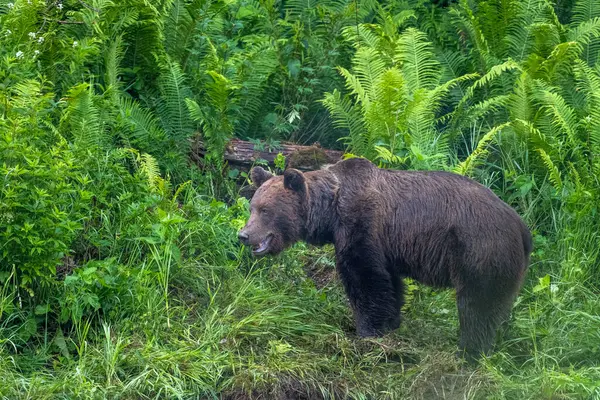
x,y
243,236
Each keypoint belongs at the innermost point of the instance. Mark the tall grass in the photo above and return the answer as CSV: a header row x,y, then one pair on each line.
x,y
120,271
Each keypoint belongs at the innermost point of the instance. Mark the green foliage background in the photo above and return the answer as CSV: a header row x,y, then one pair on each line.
x,y
120,272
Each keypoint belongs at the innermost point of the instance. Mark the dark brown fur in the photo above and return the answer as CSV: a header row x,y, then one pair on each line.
x,y
438,228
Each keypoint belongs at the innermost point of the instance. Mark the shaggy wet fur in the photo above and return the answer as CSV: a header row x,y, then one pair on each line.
x,y
438,228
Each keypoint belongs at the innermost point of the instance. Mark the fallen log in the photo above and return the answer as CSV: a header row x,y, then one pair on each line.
x,y
242,153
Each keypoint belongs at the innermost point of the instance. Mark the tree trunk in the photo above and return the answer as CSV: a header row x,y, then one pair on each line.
x,y
244,154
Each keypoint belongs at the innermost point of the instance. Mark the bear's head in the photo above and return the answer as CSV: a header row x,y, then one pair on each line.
x,y
277,211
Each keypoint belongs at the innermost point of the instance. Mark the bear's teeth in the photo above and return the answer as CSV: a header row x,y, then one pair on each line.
x,y
262,246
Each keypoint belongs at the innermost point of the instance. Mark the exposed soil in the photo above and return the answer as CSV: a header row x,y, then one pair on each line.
x,y
321,275
286,389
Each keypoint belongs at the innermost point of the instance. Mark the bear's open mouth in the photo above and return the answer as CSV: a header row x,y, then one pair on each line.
x,y
263,246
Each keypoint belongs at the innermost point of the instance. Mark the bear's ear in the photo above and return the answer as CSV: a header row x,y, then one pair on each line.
x,y
294,180
259,176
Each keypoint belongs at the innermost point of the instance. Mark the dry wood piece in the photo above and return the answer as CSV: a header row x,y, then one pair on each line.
x,y
243,153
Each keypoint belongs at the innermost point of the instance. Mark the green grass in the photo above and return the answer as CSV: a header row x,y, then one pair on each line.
x,y
156,299
280,328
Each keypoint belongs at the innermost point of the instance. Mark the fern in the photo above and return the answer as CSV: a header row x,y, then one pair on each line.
x,y
553,172
112,61
534,136
494,73
260,63
415,56
588,83
560,60
483,108
587,34
362,35
466,166
144,130
213,117
585,10
384,116
368,67
520,35
84,120
346,116
149,167
467,23
171,107
562,116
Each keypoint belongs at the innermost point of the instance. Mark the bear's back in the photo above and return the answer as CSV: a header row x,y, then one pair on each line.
x,y
398,207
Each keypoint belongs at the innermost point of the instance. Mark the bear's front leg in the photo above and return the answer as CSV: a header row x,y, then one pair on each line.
x,y
375,295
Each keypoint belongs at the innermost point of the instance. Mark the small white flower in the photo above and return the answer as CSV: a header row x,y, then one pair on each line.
x,y
10,5
75,44
41,40
36,52
31,35
553,288
59,6
19,54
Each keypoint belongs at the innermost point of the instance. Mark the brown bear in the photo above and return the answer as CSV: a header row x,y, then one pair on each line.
x,y
438,228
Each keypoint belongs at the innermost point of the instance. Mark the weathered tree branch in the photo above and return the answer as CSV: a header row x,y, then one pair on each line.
x,y
243,153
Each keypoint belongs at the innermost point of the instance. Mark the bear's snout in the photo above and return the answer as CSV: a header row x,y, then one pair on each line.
x,y
244,238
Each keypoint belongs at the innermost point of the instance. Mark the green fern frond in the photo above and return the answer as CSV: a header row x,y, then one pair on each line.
x,y
562,115
414,53
520,105
354,85
196,113
178,28
553,172
464,18
215,131
218,91
362,35
384,115
367,68
493,73
180,190
440,91
560,60
534,136
144,128
545,36
466,166
260,64
84,121
520,38
484,107
347,116
454,64
112,70
585,31
149,167
587,34
588,83
172,109
585,10
385,156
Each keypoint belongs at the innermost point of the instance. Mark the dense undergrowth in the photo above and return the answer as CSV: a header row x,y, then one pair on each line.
x,y
120,271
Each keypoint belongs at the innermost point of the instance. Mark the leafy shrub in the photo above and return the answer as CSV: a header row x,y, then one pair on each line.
x,y
42,198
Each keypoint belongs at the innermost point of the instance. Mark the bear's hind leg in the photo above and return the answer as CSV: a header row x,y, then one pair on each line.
x,y
374,297
394,323
480,314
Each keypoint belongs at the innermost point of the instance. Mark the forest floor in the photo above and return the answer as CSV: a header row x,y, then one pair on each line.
x,y
280,328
